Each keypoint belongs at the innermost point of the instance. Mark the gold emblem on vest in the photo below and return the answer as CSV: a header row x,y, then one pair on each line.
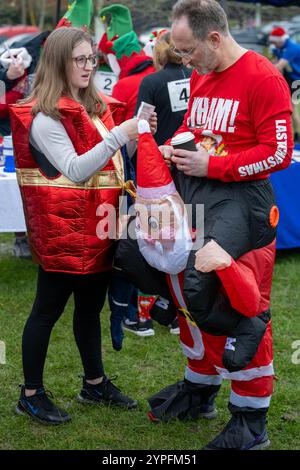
x,y
33,177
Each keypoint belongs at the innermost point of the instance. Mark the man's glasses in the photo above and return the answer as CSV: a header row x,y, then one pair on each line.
x,y
183,54
81,61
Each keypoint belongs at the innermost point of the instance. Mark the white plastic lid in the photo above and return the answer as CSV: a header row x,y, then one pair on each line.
x,y
182,138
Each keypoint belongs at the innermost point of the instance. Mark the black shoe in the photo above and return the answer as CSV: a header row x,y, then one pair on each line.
x,y
140,328
21,248
41,408
246,430
183,400
104,393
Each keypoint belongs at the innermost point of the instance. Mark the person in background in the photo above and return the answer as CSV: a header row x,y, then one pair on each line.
x,y
167,89
287,53
68,166
134,66
10,76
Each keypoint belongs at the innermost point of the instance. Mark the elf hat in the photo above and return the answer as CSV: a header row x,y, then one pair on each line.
x,y
278,35
153,38
105,45
121,51
154,180
121,47
126,45
119,22
78,15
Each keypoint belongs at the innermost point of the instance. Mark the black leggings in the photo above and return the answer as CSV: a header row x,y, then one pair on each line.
x,y
53,291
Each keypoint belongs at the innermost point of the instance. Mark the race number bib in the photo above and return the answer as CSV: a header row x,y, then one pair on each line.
x,y
105,81
179,93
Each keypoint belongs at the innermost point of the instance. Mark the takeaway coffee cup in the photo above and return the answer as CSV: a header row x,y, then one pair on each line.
x,y
185,140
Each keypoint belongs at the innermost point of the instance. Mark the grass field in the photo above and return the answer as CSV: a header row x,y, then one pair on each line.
x,y
143,367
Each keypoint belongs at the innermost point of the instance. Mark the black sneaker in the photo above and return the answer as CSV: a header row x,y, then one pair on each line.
x,y
104,393
140,328
41,408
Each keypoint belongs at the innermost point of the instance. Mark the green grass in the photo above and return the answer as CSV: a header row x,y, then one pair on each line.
x,y
143,367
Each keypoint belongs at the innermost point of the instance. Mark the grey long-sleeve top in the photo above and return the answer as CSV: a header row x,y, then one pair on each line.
x,y
50,137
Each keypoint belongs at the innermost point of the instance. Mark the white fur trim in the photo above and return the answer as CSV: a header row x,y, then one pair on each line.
x,y
157,192
114,64
148,48
247,374
143,126
279,38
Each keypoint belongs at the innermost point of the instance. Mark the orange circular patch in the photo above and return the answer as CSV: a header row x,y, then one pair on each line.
x,y
274,216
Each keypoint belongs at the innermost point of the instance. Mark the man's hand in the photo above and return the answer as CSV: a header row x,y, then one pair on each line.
x,y
15,70
167,152
191,163
153,123
211,258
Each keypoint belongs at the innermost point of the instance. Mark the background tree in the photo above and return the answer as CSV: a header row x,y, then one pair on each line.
x,y
146,14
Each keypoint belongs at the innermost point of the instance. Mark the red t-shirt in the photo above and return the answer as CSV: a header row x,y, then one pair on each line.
x,y
243,115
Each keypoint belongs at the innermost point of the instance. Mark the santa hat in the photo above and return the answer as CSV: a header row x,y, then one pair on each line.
x,y
154,180
118,19
78,15
278,35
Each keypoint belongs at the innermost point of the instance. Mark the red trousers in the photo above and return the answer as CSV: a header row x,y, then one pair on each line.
x,y
247,283
251,386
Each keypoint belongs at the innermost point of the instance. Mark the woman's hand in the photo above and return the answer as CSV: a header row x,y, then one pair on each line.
x,y
153,123
130,128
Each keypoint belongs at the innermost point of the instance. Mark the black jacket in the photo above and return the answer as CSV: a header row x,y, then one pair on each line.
x,y
154,90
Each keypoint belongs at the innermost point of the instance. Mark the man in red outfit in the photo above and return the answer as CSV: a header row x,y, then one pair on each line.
x,y
240,111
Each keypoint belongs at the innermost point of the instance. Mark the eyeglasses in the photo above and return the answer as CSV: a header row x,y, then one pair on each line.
x,y
81,61
183,54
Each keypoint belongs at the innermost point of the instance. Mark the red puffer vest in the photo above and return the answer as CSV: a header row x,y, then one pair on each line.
x,y
62,216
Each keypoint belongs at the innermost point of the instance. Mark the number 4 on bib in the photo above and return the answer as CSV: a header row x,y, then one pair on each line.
x,y
179,93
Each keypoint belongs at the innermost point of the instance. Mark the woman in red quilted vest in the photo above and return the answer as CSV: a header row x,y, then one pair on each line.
x,y
70,172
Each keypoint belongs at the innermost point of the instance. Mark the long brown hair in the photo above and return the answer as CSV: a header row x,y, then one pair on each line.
x,y
163,53
51,79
